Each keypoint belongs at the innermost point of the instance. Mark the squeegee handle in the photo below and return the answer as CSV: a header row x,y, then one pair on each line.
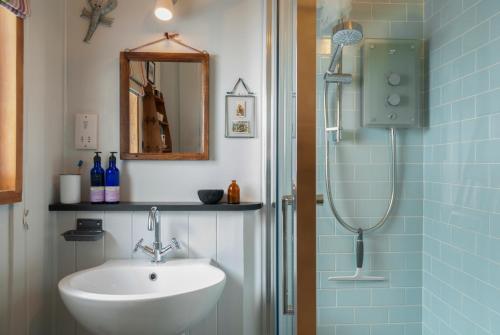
x,y
360,249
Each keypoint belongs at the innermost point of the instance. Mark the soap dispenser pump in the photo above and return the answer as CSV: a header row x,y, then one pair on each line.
x,y
112,189
97,181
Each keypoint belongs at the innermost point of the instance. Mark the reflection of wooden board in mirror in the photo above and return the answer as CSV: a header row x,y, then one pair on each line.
x,y
151,127
160,108
134,122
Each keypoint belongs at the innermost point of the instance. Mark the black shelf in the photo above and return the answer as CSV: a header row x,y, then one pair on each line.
x,y
163,206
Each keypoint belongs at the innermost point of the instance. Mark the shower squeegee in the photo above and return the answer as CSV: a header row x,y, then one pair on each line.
x,y
358,275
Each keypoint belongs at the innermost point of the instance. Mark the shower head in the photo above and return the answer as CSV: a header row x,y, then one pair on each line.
x,y
347,33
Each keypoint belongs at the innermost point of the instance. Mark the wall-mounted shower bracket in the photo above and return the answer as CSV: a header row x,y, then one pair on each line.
x,y
337,131
332,129
338,78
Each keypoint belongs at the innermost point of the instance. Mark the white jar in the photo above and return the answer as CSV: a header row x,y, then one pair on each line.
x,y
70,187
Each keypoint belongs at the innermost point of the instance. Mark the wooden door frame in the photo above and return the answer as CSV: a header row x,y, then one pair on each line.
x,y
306,167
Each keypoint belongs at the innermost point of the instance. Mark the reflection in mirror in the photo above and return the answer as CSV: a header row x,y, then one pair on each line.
x,y
165,107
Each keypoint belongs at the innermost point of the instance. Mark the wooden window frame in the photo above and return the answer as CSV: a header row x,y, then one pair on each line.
x,y
11,175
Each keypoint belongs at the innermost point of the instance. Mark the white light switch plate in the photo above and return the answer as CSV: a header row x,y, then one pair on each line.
x,y
86,131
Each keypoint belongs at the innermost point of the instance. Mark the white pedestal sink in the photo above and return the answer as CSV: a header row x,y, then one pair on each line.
x,y
139,297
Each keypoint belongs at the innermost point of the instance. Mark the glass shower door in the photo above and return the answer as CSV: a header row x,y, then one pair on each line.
x,y
286,167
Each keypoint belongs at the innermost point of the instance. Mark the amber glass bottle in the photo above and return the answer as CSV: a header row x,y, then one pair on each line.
x,y
233,193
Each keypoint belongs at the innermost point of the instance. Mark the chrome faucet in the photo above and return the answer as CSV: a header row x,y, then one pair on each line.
x,y
157,251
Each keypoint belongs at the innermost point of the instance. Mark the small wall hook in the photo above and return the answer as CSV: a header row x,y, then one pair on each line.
x,y
26,226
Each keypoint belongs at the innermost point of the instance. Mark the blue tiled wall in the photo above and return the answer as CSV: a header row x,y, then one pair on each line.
x,y
461,249
361,174
451,183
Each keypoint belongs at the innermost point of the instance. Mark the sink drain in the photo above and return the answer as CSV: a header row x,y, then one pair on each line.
x,y
153,276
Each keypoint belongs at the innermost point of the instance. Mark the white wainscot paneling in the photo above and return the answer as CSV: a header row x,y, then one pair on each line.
x,y
118,237
231,239
4,267
66,264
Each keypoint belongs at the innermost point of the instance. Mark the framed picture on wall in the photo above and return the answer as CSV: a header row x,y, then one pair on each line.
x,y
151,71
240,116
240,113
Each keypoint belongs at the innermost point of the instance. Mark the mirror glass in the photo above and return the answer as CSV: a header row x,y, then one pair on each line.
x,y
165,104
164,98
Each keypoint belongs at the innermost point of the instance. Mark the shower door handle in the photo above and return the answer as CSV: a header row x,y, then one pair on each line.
x,y
288,308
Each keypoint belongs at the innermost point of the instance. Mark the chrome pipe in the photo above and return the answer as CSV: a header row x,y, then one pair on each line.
x,y
339,105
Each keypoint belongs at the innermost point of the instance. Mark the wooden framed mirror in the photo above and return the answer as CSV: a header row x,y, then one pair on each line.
x,y
164,106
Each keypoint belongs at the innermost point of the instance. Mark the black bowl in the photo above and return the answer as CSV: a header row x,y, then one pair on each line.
x,y
210,197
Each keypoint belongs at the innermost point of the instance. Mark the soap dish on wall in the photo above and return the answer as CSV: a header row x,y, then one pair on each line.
x,y
87,230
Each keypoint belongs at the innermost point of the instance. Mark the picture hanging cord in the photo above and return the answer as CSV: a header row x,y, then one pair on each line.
x,y
169,37
240,81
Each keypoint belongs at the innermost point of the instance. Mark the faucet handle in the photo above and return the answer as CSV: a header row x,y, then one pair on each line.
x,y
138,245
175,243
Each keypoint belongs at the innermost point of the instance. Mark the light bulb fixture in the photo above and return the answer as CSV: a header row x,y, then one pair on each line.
x,y
164,9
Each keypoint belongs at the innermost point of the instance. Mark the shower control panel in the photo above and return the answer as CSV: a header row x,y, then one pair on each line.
x,y
391,83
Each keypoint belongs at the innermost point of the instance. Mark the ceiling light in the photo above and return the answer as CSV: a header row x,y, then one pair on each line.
x,y
164,9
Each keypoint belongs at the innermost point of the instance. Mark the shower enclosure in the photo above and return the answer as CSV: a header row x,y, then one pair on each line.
x,y
368,189
287,166
438,250
294,177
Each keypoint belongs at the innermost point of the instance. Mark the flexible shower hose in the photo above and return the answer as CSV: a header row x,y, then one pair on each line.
x,y
392,198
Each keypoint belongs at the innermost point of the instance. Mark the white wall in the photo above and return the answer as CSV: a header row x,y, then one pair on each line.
x,y
4,267
190,95
231,31
180,84
169,81
26,267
